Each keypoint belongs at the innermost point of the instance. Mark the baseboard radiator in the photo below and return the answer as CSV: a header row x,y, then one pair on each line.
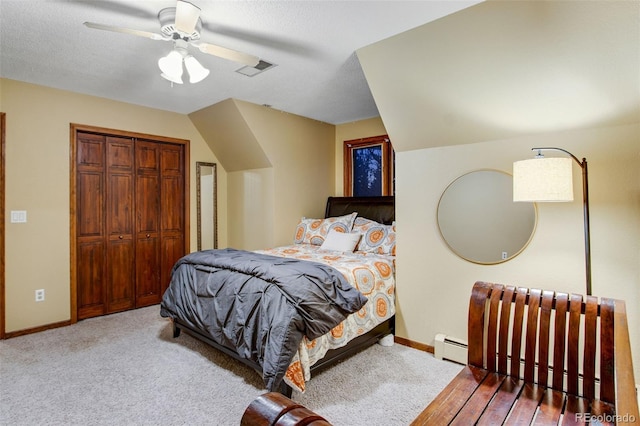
x,y
450,348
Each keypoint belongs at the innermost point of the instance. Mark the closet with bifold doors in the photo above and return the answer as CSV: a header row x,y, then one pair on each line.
x,y
129,218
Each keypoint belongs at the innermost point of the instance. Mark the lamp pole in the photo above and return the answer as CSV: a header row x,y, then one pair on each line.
x,y
585,207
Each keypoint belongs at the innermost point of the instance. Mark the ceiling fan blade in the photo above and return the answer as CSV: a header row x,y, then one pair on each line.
x,y
187,15
232,55
152,36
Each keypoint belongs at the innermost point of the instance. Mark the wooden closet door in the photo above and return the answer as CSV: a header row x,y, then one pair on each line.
x,y
120,228
147,159
130,218
172,220
90,227
104,201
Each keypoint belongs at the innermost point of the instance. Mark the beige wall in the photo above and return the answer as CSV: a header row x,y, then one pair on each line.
x,y
256,208
434,284
478,89
265,204
37,180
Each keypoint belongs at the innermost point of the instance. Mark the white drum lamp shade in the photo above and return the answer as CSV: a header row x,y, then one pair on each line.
x,y
543,180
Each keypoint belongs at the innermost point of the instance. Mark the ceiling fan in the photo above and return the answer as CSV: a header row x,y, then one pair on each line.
x,y
182,26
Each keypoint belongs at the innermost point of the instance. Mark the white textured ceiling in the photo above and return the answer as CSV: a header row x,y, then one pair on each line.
x,y
313,44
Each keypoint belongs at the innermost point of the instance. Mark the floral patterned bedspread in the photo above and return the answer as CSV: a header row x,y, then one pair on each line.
x,y
372,274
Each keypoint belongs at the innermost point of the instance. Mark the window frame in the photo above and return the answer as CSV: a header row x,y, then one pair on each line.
x,y
351,146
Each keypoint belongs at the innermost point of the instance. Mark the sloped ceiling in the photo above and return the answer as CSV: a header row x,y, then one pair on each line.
x,y
229,136
501,69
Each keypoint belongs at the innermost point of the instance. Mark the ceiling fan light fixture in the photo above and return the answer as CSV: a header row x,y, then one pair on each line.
x,y
172,79
196,71
171,66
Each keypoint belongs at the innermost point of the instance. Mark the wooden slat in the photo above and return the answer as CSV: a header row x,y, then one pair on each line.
x,y
559,340
590,348
492,329
575,411
603,411
550,409
573,341
516,340
476,405
500,407
475,331
528,402
531,338
607,360
452,398
543,340
505,315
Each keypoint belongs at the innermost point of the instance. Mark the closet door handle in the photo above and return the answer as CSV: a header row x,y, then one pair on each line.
x,y
148,235
121,237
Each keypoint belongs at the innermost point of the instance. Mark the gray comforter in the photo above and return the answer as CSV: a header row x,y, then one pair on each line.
x,y
259,306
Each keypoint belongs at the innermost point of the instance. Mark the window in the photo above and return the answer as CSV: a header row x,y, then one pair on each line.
x,y
368,167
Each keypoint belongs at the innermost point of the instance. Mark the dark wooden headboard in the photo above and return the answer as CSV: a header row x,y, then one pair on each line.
x,y
381,209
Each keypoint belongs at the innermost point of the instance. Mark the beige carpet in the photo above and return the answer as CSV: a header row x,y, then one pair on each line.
x,y
126,369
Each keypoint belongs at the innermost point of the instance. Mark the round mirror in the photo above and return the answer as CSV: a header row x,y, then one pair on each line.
x,y
479,220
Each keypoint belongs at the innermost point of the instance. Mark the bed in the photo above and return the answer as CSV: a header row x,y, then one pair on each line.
x,y
288,312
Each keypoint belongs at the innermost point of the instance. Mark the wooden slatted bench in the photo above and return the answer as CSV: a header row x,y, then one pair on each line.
x,y
539,357
275,409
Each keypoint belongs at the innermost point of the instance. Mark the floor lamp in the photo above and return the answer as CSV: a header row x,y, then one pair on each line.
x,y
550,179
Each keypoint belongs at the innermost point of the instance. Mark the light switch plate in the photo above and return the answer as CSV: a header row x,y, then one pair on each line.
x,y
18,216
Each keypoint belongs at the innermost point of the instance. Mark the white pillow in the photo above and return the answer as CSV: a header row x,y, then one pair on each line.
x,y
340,241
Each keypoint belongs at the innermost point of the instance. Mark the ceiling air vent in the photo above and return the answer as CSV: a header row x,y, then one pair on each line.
x,y
251,71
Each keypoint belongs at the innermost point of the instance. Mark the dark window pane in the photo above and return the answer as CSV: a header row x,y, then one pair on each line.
x,y
367,171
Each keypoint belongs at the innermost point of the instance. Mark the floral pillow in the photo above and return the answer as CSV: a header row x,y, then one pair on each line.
x,y
314,231
376,237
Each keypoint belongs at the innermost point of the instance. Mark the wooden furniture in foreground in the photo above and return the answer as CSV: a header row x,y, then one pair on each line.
x,y
573,363
275,409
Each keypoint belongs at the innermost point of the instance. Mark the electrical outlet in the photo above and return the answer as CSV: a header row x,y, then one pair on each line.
x,y
40,295
504,255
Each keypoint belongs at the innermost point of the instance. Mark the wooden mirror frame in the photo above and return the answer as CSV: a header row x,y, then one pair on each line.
x,y
207,197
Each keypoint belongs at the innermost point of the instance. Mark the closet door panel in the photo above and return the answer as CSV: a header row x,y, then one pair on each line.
x,y
120,286
90,151
89,204
147,204
90,265
120,226
147,272
120,205
91,279
172,251
172,217
172,220
147,223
